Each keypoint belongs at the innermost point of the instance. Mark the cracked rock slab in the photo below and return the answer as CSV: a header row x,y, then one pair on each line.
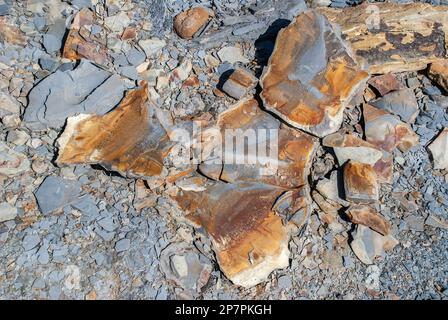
x,y
360,182
401,103
129,139
311,76
391,37
86,89
367,216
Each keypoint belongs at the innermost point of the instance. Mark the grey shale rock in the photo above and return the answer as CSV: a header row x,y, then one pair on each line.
x,y
402,103
86,89
55,193
7,212
30,241
122,245
12,163
8,105
439,150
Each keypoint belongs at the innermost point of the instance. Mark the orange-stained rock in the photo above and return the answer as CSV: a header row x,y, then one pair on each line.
x,y
10,33
438,72
80,44
129,139
367,216
188,22
393,37
384,168
271,154
311,76
387,131
384,83
350,147
360,182
249,238
239,83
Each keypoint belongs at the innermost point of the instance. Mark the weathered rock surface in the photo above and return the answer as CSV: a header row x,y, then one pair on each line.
x,y
188,22
368,244
86,89
384,83
367,216
7,212
310,76
329,189
54,193
240,82
350,147
393,37
10,33
8,105
360,182
401,103
12,163
439,150
438,72
386,131
129,139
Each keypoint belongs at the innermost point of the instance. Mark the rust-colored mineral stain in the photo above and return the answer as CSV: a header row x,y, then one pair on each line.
x,y
310,76
367,216
128,139
360,182
10,33
188,22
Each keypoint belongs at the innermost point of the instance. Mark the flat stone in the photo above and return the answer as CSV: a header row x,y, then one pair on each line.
x,y
86,89
240,82
54,193
436,222
416,223
360,182
367,216
152,47
8,105
350,147
386,131
329,188
52,40
30,241
232,55
311,76
12,163
7,212
439,150
384,83
129,140
401,103
438,72
122,245
188,22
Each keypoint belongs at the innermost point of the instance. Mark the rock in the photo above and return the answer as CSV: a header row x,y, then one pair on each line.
x,y
12,163
310,77
129,139
386,131
17,137
152,47
30,241
439,150
183,265
368,244
54,193
144,197
188,22
122,245
117,23
438,72
436,222
367,216
53,38
11,121
86,89
384,83
183,70
350,147
8,105
330,190
401,103
415,223
232,55
372,35
7,212
10,33
79,47
240,82
360,182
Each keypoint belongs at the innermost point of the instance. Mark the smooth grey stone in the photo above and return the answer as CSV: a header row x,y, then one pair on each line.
x,y
402,103
52,40
30,241
55,193
135,57
106,236
82,3
129,72
122,245
107,224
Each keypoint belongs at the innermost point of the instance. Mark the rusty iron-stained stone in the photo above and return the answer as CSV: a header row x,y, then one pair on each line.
x,y
438,72
188,22
397,37
311,76
360,182
294,151
367,216
384,83
129,139
239,83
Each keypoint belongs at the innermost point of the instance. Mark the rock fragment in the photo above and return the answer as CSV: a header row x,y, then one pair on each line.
x,y
438,72
10,33
152,47
188,22
240,82
439,150
86,89
232,55
368,244
350,147
7,212
129,139
12,163
401,103
8,105
360,182
54,193
384,83
367,216
310,76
